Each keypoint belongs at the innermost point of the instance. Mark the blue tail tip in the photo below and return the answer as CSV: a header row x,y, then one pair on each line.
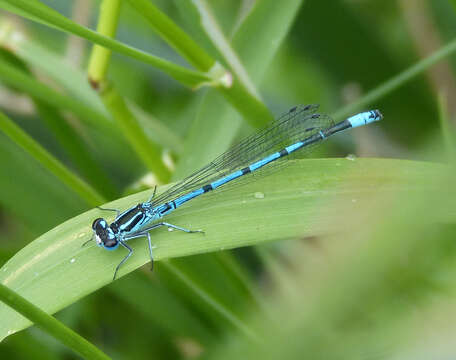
x,y
365,118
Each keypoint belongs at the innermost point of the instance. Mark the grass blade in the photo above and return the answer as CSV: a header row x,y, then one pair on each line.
x,y
54,270
187,77
84,190
448,132
146,150
276,18
174,35
49,324
237,92
223,311
397,81
16,78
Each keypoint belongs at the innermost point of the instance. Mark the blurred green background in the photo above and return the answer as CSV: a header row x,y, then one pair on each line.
x,y
307,298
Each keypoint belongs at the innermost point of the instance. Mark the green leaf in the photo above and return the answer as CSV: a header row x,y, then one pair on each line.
x,y
50,324
365,290
55,270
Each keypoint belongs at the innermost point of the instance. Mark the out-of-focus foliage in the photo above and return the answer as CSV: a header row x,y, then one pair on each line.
x,y
366,265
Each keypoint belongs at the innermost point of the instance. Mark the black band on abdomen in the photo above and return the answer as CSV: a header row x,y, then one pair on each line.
x,y
207,188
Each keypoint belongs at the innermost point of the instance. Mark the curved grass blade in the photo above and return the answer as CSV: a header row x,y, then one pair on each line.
x,y
397,81
54,270
50,325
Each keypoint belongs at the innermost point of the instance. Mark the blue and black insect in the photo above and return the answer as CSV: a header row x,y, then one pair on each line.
x,y
296,131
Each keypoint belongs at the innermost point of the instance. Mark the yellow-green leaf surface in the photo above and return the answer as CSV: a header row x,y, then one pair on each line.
x,y
297,201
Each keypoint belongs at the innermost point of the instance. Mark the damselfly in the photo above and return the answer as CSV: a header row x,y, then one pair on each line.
x,y
298,130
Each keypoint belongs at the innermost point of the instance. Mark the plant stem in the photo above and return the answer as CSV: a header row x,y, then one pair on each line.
x,y
53,18
50,325
147,150
174,35
100,56
447,130
238,93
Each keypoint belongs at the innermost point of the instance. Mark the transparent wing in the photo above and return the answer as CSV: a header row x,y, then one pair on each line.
x,y
298,123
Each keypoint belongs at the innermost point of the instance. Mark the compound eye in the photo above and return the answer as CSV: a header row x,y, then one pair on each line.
x,y
99,223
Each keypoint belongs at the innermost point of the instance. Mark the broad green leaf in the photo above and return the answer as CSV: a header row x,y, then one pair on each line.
x,y
55,270
365,291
